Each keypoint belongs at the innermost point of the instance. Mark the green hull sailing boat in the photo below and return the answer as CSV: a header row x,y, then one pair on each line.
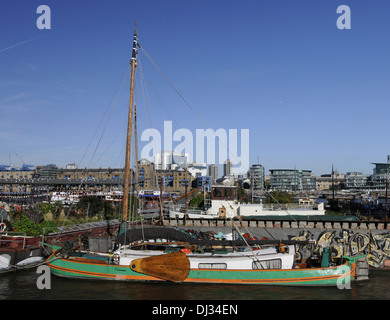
x,y
189,260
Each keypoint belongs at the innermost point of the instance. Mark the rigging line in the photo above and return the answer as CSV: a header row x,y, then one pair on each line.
x,y
158,97
174,88
164,107
189,105
186,102
141,76
181,96
108,120
108,147
120,131
120,155
103,116
84,172
131,200
250,248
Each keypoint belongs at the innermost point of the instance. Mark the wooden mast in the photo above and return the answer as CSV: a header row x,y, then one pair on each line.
x,y
126,190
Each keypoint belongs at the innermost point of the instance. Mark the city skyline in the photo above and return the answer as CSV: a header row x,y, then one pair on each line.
x,y
173,166
311,95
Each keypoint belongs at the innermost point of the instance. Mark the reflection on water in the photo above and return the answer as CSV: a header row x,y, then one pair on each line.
x,y
22,286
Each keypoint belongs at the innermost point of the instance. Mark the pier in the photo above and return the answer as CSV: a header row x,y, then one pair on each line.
x,y
280,223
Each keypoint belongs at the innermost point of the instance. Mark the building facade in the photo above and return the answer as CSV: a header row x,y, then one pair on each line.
x,y
329,181
202,182
292,180
257,177
213,172
196,169
90,174
174,180
381,174
170,160
227,168
356,180
15,174
145,170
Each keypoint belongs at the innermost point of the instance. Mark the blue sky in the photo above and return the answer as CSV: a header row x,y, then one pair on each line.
x,y
310,94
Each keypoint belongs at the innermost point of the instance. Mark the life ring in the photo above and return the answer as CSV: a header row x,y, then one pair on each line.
x,y
3,226
18,208
116,258
186,251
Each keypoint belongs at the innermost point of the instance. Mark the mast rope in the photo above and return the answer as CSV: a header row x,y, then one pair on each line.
x,y
108,119
171,84
85,171
143,87
201,119
105,112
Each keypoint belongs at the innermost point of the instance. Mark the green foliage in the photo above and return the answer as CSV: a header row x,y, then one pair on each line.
x,y
336,207
96,207
242,195
279,197
45,207
93,206
54,208
197,201
34,213
30,228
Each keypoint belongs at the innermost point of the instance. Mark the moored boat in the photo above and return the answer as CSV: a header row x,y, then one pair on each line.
x,y
223,204
242,261
19,252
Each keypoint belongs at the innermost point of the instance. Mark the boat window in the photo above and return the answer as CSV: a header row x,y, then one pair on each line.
x,y
267,264
212,266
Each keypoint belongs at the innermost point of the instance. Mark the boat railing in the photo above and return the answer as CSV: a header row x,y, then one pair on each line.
x,y
182,208
289,206
15,237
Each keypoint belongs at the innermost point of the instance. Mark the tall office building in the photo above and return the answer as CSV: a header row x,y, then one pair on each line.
x,y
213,172
170,160
355,180
256,175
381,174
292,180
227,168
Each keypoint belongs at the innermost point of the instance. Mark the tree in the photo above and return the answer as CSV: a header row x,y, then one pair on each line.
x,y
279,197
242,195
197,201
91,206
34,214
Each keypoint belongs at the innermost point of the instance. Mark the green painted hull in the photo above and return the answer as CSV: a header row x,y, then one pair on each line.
x,y
331,276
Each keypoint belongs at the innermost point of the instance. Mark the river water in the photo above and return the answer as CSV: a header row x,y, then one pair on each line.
x,y
22,285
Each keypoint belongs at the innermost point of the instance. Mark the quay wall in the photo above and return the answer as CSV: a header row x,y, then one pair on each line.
x,y
289,224
341,237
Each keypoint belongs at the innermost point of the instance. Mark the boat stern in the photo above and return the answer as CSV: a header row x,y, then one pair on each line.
x,y
359,265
